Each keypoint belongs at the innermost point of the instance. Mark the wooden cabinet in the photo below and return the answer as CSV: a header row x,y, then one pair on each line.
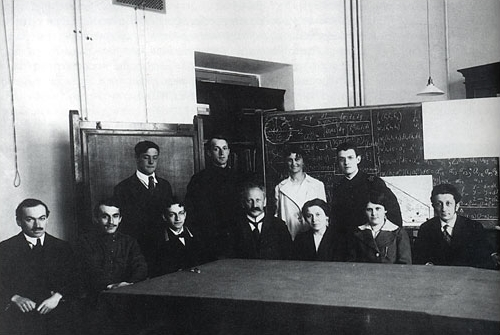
x,y
482,81
235,113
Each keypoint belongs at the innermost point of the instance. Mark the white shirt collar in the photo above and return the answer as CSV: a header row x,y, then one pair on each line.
x,y
450,224
32,240
145,178
388,226
258,219
350,178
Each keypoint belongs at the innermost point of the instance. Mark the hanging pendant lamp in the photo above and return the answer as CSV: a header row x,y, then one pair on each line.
x,y
430,89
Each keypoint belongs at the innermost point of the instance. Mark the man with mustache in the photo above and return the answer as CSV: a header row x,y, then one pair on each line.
x,y
37,277
257,235
108,259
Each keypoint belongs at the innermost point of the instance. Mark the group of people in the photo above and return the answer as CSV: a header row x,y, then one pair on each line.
x,y
144,231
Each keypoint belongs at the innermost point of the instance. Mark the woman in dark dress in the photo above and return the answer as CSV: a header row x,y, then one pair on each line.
x,y
379,240
318,243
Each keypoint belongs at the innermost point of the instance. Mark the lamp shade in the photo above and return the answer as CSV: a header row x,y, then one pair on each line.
x,y
430,89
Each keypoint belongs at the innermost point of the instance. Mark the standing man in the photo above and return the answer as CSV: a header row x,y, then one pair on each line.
x,y
257,235
142,195
449,238
212,199
350,194
37,277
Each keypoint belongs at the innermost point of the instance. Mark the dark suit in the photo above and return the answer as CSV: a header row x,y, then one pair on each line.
x,y
213,203
275,241
469,245
388,247
350,197
331,248
141,210
172,255
35,277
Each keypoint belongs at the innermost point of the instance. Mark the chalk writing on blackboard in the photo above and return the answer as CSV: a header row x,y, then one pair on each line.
x,y
390,142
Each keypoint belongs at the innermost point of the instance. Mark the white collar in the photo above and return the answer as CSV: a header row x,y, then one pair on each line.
x,y
145,178
388,226
351,178
258,219
32,240
450,224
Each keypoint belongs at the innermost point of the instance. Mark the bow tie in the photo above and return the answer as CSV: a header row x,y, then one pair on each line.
x,y
183,234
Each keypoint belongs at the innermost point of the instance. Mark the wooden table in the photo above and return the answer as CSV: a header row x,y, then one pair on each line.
x,y
291,297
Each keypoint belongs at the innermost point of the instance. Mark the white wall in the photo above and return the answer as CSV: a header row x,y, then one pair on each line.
x,y
306,34
309,35
45,88
394,38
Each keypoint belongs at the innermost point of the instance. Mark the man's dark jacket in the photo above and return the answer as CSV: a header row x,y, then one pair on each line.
x,y
469,245
275,241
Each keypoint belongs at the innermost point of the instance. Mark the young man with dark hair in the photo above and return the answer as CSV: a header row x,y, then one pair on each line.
x,y
212,199
142,195
179,247
350,193
449,238
37,277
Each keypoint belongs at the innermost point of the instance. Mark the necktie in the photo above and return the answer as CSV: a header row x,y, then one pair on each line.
x,y
446,235
151,184
38,247
256,233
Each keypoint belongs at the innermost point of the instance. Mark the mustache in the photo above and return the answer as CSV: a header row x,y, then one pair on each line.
x,y
37,229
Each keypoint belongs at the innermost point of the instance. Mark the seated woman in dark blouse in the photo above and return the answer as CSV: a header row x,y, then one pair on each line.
x,y
318,243
379,240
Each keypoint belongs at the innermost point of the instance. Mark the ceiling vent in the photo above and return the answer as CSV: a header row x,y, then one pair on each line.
x,y
152,5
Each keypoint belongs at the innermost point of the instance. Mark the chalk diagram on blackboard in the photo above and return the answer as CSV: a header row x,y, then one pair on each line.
x,y
413,194
277,130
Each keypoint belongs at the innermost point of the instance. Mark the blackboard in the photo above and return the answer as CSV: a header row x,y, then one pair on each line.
x,y
103,155
390,141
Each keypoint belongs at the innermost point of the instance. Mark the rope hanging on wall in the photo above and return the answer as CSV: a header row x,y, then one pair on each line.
x,y
142,67
17,177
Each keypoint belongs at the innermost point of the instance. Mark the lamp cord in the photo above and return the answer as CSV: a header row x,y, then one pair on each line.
x,y
142,67
17,177
428,40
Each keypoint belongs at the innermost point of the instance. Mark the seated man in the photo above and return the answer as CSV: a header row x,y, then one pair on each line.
x,y
257,235
179,247
37,277
451,239
108,258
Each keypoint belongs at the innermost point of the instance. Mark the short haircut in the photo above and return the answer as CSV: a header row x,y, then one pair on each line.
x,y
446,189
110,202
316,202
144,146
28,203
294,149
346,146
173,201
249,185
216,137
376,197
